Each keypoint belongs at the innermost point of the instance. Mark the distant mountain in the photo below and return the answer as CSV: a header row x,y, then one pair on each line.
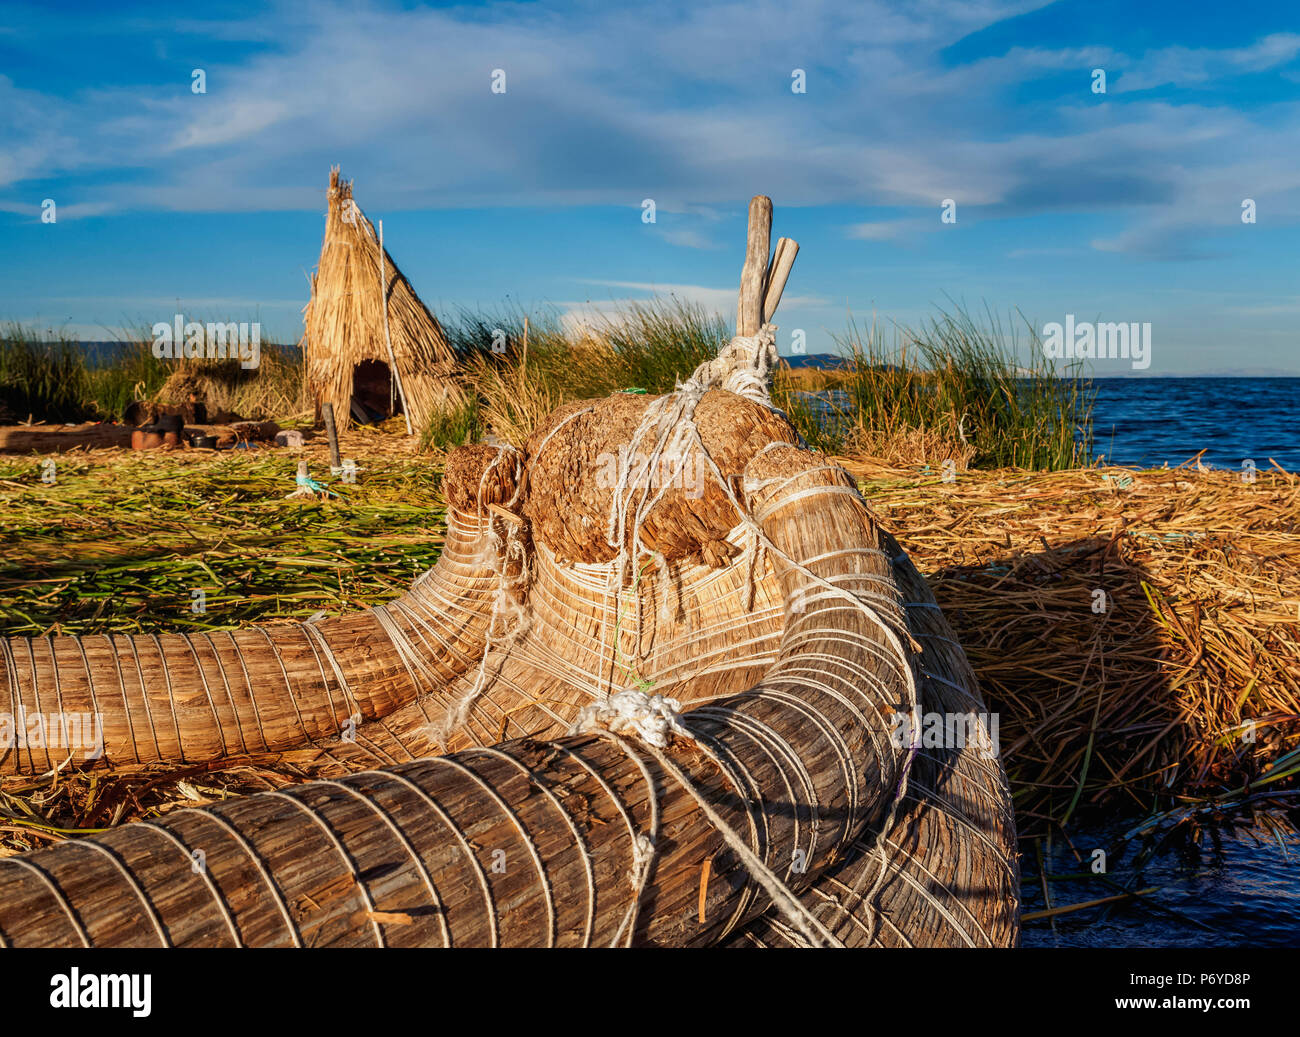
x,y
818,360
100,354
1249,372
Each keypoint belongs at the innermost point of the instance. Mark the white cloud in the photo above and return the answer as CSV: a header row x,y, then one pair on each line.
x,y
62,213
1183,66
717,301
401,98
687,238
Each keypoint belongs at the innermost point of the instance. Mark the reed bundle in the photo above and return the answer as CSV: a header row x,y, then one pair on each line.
x,y
274,388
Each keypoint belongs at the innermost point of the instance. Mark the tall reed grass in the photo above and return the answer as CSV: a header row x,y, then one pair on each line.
x,y
51,377
971,390
955,388
133,374
42,376
961,384
647,346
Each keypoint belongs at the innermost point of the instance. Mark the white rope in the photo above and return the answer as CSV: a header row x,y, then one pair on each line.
x,y
507,606
652,718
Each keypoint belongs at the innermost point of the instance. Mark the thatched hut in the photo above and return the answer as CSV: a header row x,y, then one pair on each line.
x,y
371,347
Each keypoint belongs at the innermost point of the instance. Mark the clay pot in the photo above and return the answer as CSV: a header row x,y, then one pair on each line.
x,y
146,439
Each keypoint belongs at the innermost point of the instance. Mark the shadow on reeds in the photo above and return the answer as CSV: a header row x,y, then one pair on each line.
x,y
1097,723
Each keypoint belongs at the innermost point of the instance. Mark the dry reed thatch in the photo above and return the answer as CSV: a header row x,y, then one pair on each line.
x,y
797,644
1145,704
274,389
344,322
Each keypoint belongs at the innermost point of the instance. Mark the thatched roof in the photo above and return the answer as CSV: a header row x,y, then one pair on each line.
x,y
344,321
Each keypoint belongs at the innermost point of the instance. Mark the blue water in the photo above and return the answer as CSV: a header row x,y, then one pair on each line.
x,y
1238,887
1150,422
1155,421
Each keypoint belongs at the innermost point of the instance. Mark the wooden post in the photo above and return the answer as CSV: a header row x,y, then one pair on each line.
x,y
332,433
777,273
388,338
749,310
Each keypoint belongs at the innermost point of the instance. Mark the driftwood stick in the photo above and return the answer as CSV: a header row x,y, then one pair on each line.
x,y
778,272
332,433
749,310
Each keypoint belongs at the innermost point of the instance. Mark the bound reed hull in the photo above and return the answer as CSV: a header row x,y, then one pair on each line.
x,y
949,863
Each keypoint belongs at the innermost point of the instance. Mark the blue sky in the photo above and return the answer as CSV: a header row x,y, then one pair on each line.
x,y
1123,206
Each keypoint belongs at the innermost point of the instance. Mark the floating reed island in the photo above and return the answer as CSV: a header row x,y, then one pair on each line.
x,y
614,713
1134,634
1138,632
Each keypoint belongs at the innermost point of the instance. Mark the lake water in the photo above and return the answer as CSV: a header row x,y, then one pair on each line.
x,y
1155,421
1149,422
1239,889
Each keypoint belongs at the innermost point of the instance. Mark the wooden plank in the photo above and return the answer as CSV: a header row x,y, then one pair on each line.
x,y
57,439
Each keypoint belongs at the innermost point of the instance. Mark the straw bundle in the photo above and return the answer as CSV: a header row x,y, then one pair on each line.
x,y
355,312
809,734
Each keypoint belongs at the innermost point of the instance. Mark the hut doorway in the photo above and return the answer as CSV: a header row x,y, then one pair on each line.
x,y
374,397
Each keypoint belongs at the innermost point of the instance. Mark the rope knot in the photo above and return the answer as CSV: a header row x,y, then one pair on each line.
x,y
652,718
743,366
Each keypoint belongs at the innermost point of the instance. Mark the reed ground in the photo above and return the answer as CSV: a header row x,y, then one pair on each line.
x,y
1177,688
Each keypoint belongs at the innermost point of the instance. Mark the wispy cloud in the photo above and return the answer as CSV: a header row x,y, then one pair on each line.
x,y
403,97
688,238
721,301
1184,66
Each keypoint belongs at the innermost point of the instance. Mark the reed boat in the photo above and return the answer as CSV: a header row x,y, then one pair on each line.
x,y
650,694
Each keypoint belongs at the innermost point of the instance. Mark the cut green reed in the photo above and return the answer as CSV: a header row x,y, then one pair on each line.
x,y
122,544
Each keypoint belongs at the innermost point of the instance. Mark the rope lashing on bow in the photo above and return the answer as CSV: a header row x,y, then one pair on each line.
x,y
652,718
744,368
